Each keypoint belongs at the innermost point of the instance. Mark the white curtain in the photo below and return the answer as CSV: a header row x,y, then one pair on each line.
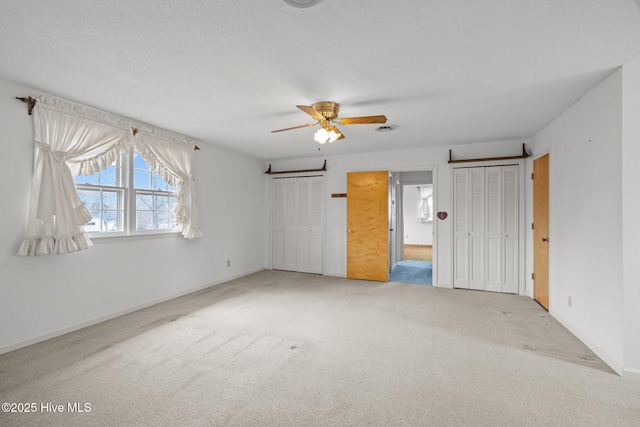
x,y
173,162
56,214
425,204
71,139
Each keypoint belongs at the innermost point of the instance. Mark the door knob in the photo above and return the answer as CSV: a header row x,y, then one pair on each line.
x,y
349,231
545,239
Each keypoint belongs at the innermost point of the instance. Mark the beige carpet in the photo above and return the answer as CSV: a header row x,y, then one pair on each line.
x,y
288,349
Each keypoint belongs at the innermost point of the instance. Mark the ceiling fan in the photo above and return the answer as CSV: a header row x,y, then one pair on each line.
x,y
326,114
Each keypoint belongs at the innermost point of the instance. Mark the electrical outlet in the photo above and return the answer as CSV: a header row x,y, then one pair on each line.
x,y
228,263
570,301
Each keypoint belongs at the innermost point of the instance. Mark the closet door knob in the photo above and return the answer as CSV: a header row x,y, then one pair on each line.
x,y
349,231
545,239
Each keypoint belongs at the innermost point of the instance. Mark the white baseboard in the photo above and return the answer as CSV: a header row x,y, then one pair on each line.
x,y
606,358
443,285
632,373
344,276
44,337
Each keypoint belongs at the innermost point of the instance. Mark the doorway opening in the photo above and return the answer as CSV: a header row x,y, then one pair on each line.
x,y
411,219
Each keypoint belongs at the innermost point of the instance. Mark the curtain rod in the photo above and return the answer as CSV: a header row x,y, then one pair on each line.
x,y
322,169
524,155
32,103
135,131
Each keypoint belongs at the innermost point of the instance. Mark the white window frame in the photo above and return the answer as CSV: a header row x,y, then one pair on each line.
x,y
127,193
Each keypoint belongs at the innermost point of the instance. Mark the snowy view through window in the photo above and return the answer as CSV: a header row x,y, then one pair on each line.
x,y
127,182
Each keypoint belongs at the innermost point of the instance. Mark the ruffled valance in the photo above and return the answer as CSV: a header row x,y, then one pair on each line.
x,y
173,162
100,161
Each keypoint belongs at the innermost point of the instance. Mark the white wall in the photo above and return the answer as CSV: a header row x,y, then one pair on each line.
x,y
400,160
44,296
631,214
415,233
585,221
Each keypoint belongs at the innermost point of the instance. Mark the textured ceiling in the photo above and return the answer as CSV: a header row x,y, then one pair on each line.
x,y
227,73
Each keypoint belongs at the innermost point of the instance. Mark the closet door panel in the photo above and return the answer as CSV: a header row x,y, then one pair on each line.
x,y
302,252
476,228
302,225
316,224
290,257
277,224
461,228
476,263
493,231
511,215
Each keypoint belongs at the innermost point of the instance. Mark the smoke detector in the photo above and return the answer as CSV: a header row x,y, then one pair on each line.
x,y
302,3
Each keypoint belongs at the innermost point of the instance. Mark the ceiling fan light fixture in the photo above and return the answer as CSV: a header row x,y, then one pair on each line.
x,y
333,136
322,136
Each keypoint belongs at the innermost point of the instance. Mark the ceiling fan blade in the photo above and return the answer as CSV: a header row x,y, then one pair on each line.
x,y
311,111
338,131
366,120
295,127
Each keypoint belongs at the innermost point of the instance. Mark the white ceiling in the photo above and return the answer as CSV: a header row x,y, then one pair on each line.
x,y
229,72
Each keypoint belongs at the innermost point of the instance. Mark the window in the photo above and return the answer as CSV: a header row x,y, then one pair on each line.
x,y
127,198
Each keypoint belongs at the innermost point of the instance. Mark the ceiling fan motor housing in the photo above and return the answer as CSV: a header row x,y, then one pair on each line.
x,y
328,109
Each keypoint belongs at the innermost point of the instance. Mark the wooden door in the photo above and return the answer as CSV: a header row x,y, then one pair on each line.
x,y
541,230
367,225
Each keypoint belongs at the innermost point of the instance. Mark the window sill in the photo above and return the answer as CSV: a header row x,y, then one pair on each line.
x,y
109,238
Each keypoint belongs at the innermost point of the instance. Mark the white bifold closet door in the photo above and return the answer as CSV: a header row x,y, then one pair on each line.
x,y
486,228
297,224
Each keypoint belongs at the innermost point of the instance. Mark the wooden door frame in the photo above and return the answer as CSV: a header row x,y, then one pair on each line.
x,y
324,213
393,222
522,288
434,178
